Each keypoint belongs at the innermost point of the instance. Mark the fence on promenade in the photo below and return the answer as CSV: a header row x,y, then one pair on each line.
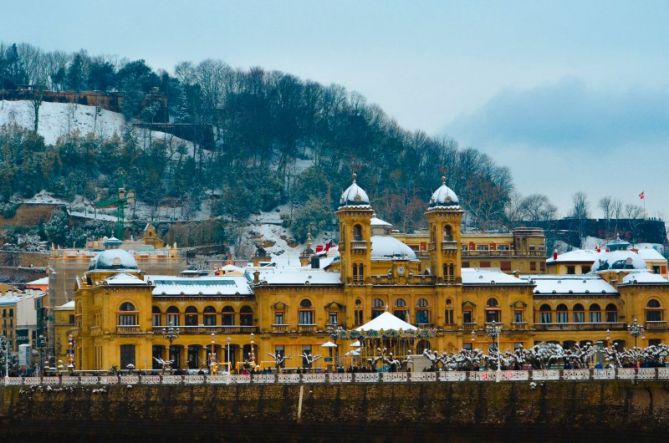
x,y
631,374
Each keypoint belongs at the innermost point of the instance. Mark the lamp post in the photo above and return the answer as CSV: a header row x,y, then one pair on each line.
x,y
228,340
635,330
40,345
494,331
170,334
252,355
70,353
213,367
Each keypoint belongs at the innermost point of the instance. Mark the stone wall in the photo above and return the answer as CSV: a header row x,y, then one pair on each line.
x,y
467,411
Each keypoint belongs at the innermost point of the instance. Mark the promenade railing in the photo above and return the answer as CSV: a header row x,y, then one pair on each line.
x,y
632,374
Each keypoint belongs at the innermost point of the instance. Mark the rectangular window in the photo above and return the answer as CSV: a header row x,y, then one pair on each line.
x,y
546,317
484,264
505,266
467,317
571,270
358,317
585,269
422,317
278,318
71,319
155,319
127,320
562,317
306,350
127,356
332,318
595,317
481,247
306,317
518,316
448,317
579,316
533,266
280,351
172,319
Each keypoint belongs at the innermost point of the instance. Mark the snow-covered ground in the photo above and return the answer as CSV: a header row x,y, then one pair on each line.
x,y
59,119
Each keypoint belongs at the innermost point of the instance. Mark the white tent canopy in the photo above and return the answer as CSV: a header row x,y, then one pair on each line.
x,y
328,344
386,321
355,344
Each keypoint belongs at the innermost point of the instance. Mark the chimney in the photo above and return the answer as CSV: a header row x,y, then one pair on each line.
x,y
555,254
315,262
256,277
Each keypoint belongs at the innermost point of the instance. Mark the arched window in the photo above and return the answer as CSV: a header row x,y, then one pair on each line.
x,y
246,316
209,316
172,316
358,312
155,316
595,313
128,316
492,311
579,313
422,312
400,310
448,233
228,316
562,314
306,313
422,346
546,314
654,311
611,313
448,314
191,316
357,233
378,307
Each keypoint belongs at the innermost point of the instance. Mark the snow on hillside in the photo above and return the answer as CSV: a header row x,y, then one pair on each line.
x,y
59,119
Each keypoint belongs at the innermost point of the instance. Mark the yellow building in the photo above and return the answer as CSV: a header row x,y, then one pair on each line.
x,y
8,321
124,316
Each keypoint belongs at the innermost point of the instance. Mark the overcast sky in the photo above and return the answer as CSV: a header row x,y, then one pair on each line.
x,y
571,95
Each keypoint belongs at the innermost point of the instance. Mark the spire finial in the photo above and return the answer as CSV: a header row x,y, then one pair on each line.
x,y
309,238
443,179
355,176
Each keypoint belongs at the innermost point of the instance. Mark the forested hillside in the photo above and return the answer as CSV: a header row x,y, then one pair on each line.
x,y
278,140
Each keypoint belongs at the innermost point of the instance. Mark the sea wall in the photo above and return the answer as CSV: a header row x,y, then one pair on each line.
x,y
467,411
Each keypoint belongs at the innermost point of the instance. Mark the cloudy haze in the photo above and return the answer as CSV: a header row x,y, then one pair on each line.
x,y
570,95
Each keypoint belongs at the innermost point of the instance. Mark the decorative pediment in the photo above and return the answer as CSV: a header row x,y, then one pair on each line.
x,y
334,306
468,304
519,305
279,306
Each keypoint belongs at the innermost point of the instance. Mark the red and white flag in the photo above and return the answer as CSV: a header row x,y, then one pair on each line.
x,y
642,195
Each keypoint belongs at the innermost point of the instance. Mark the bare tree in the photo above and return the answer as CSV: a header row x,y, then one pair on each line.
x,y
580,210
605,204
533,208
635,215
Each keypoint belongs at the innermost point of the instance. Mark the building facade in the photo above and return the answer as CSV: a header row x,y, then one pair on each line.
x,y
124,316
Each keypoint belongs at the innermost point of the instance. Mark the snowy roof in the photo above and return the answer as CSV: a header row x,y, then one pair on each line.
x,y
618,260
123,279
575,256
385,247
8,300
354,195
193,286
492,276
44,198
570,284
376,222
66,306
443,196
387,322
299,276
39,281
650,254
113,259
644,277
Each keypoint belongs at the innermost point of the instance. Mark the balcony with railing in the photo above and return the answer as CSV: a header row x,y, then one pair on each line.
x,y
469,326
449,246
208,330
656,325
280,328
520,326
358,246
306,328
128,329
585,326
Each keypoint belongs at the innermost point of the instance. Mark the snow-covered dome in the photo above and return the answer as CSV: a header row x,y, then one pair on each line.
x,y
113,259
385,247
443,196
354,195
618,260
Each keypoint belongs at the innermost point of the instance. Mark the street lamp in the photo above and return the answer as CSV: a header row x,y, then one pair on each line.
x,y
252,355
213,367
228,340
70,353
40,346
635,330
494,331
170,334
